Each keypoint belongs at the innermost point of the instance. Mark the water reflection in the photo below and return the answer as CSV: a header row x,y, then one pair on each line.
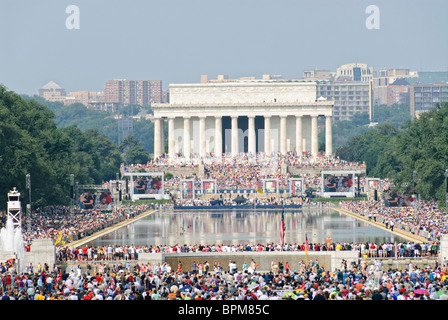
x,y
244,227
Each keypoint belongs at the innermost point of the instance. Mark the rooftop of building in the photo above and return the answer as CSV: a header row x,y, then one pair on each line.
x,y
51,86
429,77
400,82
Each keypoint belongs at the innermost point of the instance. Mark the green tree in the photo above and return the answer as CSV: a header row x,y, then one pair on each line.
x,y
416,153
133,151
31,143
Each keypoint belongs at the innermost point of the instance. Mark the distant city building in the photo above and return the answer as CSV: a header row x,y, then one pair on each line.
x,y
166,96
52,92
350,98
354,72
350,88
385,77
398,92
317,75
84,97
424,97
127,92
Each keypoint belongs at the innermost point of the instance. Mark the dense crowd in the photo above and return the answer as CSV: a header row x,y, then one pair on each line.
x,y
244,171
229,201
306,160
355,281
162,281
64,222
423,217
131,252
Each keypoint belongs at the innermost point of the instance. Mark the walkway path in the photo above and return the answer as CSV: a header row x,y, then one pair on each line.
x,y
80,242
398,232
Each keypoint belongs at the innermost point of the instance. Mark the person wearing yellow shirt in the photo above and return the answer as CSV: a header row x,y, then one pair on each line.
x,y
39,296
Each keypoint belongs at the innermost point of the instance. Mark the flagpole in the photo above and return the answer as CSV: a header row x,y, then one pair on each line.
x,y
306,249
255,229
282,227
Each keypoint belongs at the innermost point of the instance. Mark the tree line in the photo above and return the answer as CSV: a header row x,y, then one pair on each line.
x,y
79,115
31,143
413,155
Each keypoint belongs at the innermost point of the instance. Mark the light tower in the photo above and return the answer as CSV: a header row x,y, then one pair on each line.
x,y
15,208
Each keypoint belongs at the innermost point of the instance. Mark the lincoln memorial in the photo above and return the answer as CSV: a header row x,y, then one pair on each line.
x,y
241,116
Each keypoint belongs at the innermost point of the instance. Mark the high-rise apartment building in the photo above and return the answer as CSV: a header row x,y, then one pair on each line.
x,y
350,97
127,92
424,97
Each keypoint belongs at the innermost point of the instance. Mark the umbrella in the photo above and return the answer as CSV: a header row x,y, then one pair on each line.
x,y
289,294
440,292
420,291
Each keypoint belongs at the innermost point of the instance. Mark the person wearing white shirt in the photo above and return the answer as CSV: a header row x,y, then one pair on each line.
x,y
401,296
73,296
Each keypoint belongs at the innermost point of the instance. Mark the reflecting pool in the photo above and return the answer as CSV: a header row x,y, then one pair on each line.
x,y
244,227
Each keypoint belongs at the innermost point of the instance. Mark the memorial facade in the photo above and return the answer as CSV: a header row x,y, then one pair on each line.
x,y
241,116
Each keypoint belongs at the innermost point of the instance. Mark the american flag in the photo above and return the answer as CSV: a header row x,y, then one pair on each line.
x,y
396,251
283,228
307,245
307,248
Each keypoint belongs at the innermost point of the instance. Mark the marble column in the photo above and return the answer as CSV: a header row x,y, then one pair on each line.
x,y
299,136
267,134
314,136
187,147
328,136
171,139
283,146
157,137
218,136
252,146
162,135
202,143
234,135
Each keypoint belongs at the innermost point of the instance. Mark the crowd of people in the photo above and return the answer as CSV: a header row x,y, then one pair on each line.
x,y
364,250
65,222
122,281
304,160
229,201
244,171
423,217
354,281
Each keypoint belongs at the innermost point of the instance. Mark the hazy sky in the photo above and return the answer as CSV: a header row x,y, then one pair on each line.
x,y
178,40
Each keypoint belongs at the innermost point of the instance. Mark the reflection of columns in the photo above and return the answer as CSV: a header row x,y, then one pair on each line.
x,y
171,141
314,137
162,135
187,147
283,134
157,137
267,134
252,148
234,135
328,136
299,137
218,136
202,136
